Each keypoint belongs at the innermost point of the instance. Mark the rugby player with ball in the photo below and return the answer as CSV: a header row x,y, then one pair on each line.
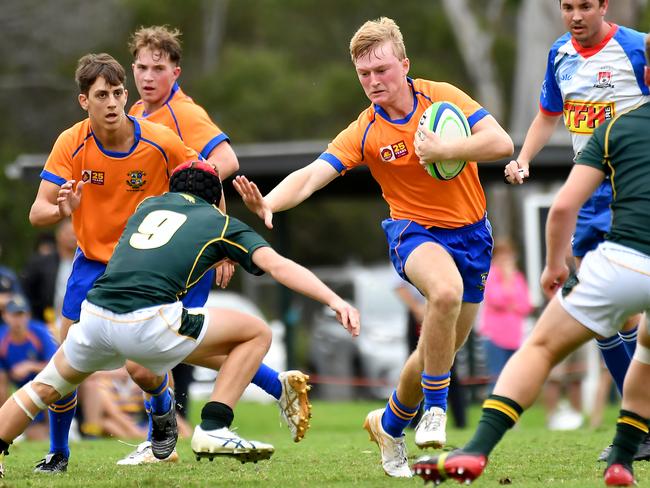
x,y
435,225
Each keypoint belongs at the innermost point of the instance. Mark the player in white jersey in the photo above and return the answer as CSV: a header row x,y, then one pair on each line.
x,y
594,72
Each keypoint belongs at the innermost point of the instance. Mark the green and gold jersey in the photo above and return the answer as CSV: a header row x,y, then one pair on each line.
x,y
621,149
168,245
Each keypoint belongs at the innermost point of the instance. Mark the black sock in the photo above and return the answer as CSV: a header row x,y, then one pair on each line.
x,y
216,415
499,415
4,447
631,429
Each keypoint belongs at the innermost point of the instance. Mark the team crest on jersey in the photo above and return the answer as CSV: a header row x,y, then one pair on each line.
x,y
93,177
604,78
136,179
582,117
393,152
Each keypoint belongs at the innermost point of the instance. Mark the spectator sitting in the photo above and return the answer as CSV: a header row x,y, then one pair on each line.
x,y
26,346
118,409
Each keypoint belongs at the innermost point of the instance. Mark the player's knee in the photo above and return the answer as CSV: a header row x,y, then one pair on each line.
x,y
46,393
49,378
445,299
267,336
263,334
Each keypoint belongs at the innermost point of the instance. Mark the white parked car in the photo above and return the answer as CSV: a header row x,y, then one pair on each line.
x,y
276,357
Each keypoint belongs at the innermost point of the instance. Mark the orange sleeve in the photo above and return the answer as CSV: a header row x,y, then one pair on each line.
x,y
450,93
346,149
197,128
58,167
178,152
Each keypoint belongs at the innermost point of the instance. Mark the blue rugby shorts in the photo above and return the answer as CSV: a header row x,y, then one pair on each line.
x,y
470,247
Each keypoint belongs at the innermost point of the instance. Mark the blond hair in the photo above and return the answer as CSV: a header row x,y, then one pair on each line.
x,y
375,32
157,38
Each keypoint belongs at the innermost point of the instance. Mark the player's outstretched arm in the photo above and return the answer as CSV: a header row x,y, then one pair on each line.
x,y
300,279
54,202
290,192
253,199
539,133
561,222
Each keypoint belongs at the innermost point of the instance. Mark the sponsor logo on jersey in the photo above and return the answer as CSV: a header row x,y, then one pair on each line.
x,y
604,78
93,177
136,180
582,117
394,151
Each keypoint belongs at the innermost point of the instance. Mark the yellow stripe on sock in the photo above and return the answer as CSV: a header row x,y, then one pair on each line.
x,y
166,383
61,409
399,412
436,386
503,408
634,423
65,407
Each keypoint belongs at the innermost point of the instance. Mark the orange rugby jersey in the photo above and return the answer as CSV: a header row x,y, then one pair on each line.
x,y
187,119
115,182
386,147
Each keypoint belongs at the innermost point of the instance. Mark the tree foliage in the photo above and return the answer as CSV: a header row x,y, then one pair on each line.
x,y
266,70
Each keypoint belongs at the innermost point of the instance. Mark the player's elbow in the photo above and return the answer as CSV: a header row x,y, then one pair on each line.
x,y
503,146
36,217
562,211
229,167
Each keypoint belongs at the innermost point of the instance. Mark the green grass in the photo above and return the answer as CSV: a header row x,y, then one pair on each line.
x,y
336,452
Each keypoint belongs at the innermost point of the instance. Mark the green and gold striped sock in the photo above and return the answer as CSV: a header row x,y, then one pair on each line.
x,y
499,415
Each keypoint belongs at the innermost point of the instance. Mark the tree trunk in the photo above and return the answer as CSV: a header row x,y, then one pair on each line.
x,y
214,16
475,46
538,25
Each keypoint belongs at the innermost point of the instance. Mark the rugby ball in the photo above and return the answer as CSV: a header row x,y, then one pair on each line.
x,y
449,123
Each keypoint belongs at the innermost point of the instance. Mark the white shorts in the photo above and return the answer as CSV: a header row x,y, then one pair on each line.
x,y
152,337
613,284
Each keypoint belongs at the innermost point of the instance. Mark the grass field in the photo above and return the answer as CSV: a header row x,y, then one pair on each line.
x,y
336,452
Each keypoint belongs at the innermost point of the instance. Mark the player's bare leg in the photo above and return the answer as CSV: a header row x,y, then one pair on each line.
x,y
18,412
554,337
60,418
443,291
245,340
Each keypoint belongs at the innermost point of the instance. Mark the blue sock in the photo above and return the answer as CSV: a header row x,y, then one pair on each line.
x,y
147,410
616,358
61,415
629,340
435,389
161,398
397,416
267,379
